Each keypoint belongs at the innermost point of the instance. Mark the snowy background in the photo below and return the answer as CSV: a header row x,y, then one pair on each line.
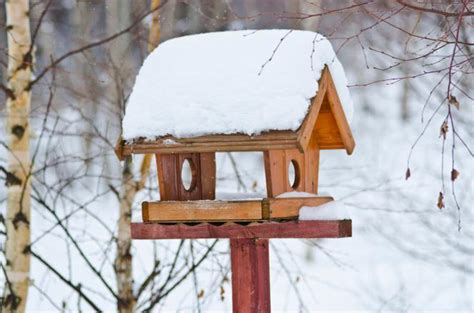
x,y
405,253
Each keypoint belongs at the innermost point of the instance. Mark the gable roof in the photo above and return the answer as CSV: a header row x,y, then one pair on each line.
x,y
232,82
325,121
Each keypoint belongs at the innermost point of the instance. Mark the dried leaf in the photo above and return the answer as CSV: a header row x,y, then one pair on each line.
x,y
440,203
201,294
454,102
407,173
254,185
444,129
222,293
454,174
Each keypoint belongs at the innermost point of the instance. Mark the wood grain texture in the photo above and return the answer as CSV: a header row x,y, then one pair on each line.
x,y
214,143
172,211
290,207
203,167
306,130
340,117
239,210
277,164
269,229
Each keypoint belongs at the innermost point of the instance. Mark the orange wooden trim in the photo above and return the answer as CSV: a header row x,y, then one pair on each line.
x,y
119,145
306,130
214,211
340,117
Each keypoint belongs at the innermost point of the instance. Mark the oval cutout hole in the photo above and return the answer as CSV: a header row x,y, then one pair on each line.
x,y
293,174
188,175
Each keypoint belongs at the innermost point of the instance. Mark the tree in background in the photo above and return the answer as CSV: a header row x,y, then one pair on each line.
x,y
124,260
18,180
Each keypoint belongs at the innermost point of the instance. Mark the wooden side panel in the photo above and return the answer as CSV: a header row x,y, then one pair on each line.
x,y
168,178
195,191
250,275
300,172
203,169
277,164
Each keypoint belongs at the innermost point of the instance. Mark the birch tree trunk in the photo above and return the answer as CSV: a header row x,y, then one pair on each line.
x,y
20,61
123,260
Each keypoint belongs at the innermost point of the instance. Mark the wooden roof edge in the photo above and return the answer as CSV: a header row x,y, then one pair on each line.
x,y
213,143
326,88
340,116
306,130
119,148
256,144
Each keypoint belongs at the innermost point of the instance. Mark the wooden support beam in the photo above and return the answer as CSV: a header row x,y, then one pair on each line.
x,y
269,229
213,143
250,275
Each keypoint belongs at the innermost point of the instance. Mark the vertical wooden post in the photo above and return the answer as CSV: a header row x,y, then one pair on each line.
x,y
250,275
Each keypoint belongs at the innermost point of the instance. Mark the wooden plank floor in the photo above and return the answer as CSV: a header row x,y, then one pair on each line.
x,y
267,229
227,210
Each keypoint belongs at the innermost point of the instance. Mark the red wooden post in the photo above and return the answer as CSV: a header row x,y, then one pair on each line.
x,y
250,275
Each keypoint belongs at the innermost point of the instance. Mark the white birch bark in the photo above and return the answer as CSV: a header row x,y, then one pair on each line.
x,y
18,221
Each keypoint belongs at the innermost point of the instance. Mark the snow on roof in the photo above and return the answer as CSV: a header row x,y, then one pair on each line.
x,y
225,82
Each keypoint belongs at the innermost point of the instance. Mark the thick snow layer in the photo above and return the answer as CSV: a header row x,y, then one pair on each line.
x,y
334,210
230,82
300,194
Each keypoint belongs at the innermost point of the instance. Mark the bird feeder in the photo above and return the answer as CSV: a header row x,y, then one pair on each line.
x,y
191,211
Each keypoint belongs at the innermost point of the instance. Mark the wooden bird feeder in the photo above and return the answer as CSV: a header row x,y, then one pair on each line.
x,y
325,127
191,212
